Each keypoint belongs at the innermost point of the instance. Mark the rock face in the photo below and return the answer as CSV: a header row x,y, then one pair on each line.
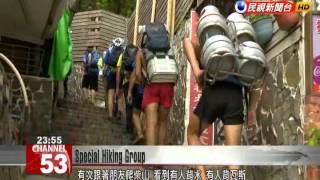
x,y
177,113
75,82
279,108
33,120
279,112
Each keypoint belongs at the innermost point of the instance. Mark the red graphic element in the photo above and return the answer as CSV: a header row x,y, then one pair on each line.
x,y
279,7
316,75
318,25
48,159
195,92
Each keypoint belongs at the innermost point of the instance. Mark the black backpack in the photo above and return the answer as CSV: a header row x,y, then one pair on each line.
x,y
156,38
129,58
116,51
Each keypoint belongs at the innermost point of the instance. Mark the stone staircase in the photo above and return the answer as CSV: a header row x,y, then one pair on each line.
x,y
86,124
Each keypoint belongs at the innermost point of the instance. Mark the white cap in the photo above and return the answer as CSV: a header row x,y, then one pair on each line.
x,y
118,41
104,54
142,29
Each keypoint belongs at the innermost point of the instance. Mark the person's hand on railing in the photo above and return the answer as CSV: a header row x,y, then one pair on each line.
x,y
252,119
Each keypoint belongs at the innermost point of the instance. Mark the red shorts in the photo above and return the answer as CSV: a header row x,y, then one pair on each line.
x,y
161,93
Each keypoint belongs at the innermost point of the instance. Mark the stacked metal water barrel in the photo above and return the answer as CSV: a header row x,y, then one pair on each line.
x,y
229,47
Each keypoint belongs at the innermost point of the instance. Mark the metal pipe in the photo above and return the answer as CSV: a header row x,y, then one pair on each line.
x,y
136,19
153,12
173,19
16,72
169,14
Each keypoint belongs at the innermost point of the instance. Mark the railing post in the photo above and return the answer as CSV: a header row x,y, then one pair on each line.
x,y
153,12
169,15
173,19
136,19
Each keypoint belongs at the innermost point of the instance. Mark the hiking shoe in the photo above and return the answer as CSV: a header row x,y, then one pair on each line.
x,y
138,140
110,118
119,116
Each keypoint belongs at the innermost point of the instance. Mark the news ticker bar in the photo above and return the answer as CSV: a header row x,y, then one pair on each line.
x,y
177,155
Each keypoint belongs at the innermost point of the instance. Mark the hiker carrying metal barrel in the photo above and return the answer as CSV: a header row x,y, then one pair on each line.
x,y
156,66
227,70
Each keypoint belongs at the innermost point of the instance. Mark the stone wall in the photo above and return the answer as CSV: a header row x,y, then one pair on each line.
x,y
40,93
279,113
75,81
177,114
22,121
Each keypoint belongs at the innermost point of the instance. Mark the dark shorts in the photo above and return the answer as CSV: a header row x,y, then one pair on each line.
x,y
112,80
137,98
90,80
222,100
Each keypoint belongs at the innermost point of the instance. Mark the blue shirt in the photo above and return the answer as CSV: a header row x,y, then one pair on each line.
x,y
234,80
106,58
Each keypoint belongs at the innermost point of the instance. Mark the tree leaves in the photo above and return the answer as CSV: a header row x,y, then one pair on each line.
x,y
122,7
313,136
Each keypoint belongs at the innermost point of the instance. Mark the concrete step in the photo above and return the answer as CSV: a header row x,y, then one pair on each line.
x,y
88,124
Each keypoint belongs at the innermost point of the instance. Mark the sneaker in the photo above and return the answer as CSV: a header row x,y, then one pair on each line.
x,y
119,115
138,140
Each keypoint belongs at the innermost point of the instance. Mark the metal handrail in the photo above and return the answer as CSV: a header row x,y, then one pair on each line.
x,y
16,72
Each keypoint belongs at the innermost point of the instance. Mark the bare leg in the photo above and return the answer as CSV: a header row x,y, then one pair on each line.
x,y
121,103
143,122
93,96
110,102
137,125
106,94
232,134
137,121
152,121
193,137
163,124
85,93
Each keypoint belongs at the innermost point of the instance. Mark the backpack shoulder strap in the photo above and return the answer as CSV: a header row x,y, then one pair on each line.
x,y
246,100
143,40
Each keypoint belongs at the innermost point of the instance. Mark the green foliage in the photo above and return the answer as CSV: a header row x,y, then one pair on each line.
x,y
122,7
313,136
256,17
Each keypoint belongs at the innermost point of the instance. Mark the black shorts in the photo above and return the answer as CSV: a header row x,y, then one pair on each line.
x,y
90,80
222,100
137,98
112,80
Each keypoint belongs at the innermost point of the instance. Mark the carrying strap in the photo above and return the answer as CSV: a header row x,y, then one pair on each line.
x,y
143,41
155,55
246,101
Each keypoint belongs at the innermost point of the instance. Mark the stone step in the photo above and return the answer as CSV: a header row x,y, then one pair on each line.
x,y
81,106
86,124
